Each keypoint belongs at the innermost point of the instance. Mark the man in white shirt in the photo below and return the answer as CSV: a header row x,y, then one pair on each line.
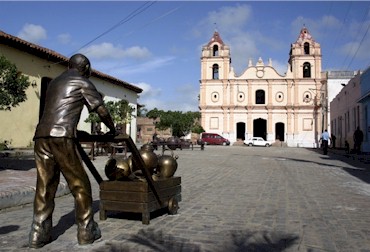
x,y
325,141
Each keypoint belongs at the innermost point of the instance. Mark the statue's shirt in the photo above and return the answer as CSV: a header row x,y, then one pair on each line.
x,y
65,97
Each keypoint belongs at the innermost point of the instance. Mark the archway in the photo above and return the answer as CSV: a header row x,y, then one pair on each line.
x,y
280,131
240,130
260,128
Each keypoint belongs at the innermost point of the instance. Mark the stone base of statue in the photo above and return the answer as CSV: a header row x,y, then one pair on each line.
x,y
137,197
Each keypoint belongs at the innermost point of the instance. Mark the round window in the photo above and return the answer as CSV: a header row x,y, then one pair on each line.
x,y
279,97
307,97
241,96
215,96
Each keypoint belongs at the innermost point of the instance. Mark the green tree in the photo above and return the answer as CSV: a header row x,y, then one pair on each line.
x,y
120,111
155,113
180,123
13,85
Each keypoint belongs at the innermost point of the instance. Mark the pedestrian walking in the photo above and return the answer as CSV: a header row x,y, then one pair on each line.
x,y
56,151
358,137
325,141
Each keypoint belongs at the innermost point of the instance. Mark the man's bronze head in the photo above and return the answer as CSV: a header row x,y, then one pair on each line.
x,y
81,63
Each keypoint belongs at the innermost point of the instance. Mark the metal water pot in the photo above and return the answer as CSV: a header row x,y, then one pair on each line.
x,y
149,157
117,168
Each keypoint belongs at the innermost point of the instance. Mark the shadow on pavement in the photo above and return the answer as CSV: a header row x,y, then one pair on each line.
x,y
13,163
262,241
361,166
68,220
8,229
364,175
157,240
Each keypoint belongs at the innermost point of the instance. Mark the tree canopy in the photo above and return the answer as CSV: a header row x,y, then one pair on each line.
x,y
180,123
120,111
13,85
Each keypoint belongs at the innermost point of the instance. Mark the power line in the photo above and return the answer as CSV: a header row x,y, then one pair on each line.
x,y
153,20
339,34
133,14
353,44
358,48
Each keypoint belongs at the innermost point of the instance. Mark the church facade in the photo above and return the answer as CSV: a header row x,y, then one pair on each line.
x,y
260,102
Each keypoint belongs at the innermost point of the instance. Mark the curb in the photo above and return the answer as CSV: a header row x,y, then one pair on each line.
x,y
18,195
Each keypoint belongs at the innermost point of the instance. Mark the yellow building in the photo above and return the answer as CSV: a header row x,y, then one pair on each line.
x,y
260,102
41,65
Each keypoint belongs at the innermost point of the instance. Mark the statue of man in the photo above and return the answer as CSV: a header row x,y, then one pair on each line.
x,y
55,151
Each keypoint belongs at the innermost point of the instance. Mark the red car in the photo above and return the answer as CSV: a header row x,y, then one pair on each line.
x,y
213,138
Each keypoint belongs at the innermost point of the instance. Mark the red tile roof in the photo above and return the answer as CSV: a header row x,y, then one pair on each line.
x,y
216,38
50,55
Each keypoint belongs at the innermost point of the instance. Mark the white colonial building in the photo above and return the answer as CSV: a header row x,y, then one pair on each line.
x,y
261,102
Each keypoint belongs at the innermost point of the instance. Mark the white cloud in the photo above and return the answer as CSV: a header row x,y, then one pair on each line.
x,y
148,90
120,68
230,19
242,48
182,98
319,28
245,42
108,50
150,97
230,22
32,33
280,67
356,50
64,38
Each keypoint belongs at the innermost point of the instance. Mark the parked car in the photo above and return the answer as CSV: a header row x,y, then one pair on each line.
x,y
257,141
213,138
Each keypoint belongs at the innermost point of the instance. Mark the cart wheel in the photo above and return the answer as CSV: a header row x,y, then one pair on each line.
x,y
173,206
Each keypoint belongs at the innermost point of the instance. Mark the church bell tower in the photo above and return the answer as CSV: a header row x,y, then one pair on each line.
x,y
305,57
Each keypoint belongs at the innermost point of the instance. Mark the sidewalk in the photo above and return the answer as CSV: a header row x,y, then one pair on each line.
x,y
18,178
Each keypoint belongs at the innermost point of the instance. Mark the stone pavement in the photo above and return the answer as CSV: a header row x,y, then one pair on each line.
x,y
234,198
18,179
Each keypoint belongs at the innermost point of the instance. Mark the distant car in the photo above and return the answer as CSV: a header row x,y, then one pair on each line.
x,y
172,142
213,138
257,141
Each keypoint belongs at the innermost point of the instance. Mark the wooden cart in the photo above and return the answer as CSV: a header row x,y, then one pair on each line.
x,y
132,196
137,197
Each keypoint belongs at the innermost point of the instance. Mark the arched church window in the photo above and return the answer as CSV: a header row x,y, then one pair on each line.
x,y
306,70
260,96
215,72
306,48
215,50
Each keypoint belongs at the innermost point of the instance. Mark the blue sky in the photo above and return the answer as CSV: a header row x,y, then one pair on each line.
x,y
157,45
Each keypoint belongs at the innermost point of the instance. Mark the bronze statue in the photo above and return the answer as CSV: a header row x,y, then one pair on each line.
x,y
55,151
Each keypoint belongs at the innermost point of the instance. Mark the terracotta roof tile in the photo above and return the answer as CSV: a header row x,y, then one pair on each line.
x,y
216,38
